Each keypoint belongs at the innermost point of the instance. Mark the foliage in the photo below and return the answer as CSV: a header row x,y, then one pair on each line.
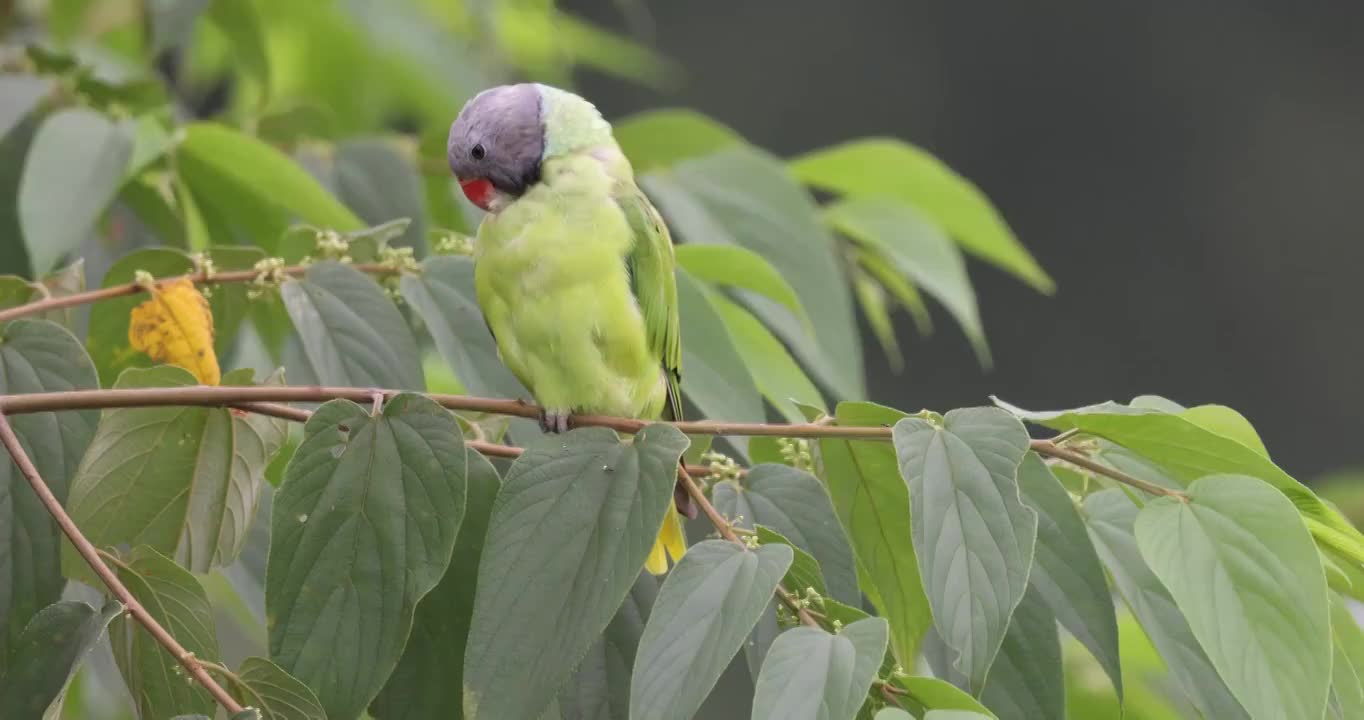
x,y
253,185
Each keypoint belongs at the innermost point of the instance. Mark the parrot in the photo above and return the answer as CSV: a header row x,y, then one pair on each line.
x,y
573,265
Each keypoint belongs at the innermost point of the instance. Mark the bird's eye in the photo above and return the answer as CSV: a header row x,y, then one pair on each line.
x,y
478,152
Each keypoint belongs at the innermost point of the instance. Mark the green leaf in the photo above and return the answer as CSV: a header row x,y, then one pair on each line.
x,y
935,694
37,356
73,171
245,32
172,22
428,679
742,196
804,572
973,535
51,649
263,685
373,177
811,673
21,94
872,503
920,251
739,267
351,333
660,138
891,713
1347,695
1239,563
1026,680
443,296
571,528
1226,422
14,147
776,373
362,527
1347,670
891,168
181,480
793,503
178,602
955,715
1111,515
229,301
715,377
108,337
1066,572
706,607
247,714
600,688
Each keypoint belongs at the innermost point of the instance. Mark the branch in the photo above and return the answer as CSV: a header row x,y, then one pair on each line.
x,y
110,579
1050,449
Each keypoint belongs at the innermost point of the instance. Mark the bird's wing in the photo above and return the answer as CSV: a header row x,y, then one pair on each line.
x,y
650,265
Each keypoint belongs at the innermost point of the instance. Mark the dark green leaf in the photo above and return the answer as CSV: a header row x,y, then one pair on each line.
x,y
810,673
373,177
571,528
1238,561
742,196
172,22
705,609
428,680
37,356
263,685
245,32
1111,515
1066,572
804,572
50,650
776,373
659,138
181,480
108,340
935,694
73,171
14,146
715,377
973,535
229,301
793,503
872,502
176,600
1026,680
892,168
19,96
363,526
351,333
739,267
600,689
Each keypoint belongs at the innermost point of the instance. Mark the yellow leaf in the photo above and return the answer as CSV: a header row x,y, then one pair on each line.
x,y
176,326
671,543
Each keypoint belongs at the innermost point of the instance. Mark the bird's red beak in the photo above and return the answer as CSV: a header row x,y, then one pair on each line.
x,y
479,191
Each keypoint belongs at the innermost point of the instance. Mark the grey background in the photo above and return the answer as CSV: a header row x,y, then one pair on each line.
x,y
1190,173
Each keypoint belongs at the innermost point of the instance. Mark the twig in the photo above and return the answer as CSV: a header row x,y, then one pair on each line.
x,y
110,579
1045,447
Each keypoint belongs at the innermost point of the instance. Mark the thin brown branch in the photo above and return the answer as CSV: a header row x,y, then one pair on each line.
x,y
92,556
1046,447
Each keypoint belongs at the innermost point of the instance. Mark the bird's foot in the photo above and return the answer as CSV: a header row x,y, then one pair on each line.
x,y
554,421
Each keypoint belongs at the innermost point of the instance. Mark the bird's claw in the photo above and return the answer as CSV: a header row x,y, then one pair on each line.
x,y
554,421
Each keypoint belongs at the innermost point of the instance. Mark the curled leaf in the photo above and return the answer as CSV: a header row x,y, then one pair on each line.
x,y
175,326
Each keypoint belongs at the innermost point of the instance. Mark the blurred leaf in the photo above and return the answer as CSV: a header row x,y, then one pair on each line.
x,y
151,142
172,21
776,373
1239,563
363,526
811,673
74,168
109,319
175,326
51,649
881,267
352,334
573,523
714,375
1066,572
973,535
872,299
742,196
19,96
428,679
156,210
1111,516
245,32
265,686
707,605
660,138
373,177
183,481
741,268
37,356
872,502
179,604
891,168
935,694
1347,670
890,713
956,715
14,147
920,250
229,301
600,688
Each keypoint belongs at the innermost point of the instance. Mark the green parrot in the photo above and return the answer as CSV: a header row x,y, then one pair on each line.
x,y
573,265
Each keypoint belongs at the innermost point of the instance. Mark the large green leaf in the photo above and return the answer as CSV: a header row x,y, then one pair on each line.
x,y
37,356
278,695
973,535
428,680
934,694
373,177
872,503
810,673
793,503
351,333
739,267
714,375
742,196
108,337
50,650
73,171
1026,680
706,607
363,526
181,480
891,168
600,688
1240,564
778,376
920,250
1066,572
659,138
1111,515
571,528
178,602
